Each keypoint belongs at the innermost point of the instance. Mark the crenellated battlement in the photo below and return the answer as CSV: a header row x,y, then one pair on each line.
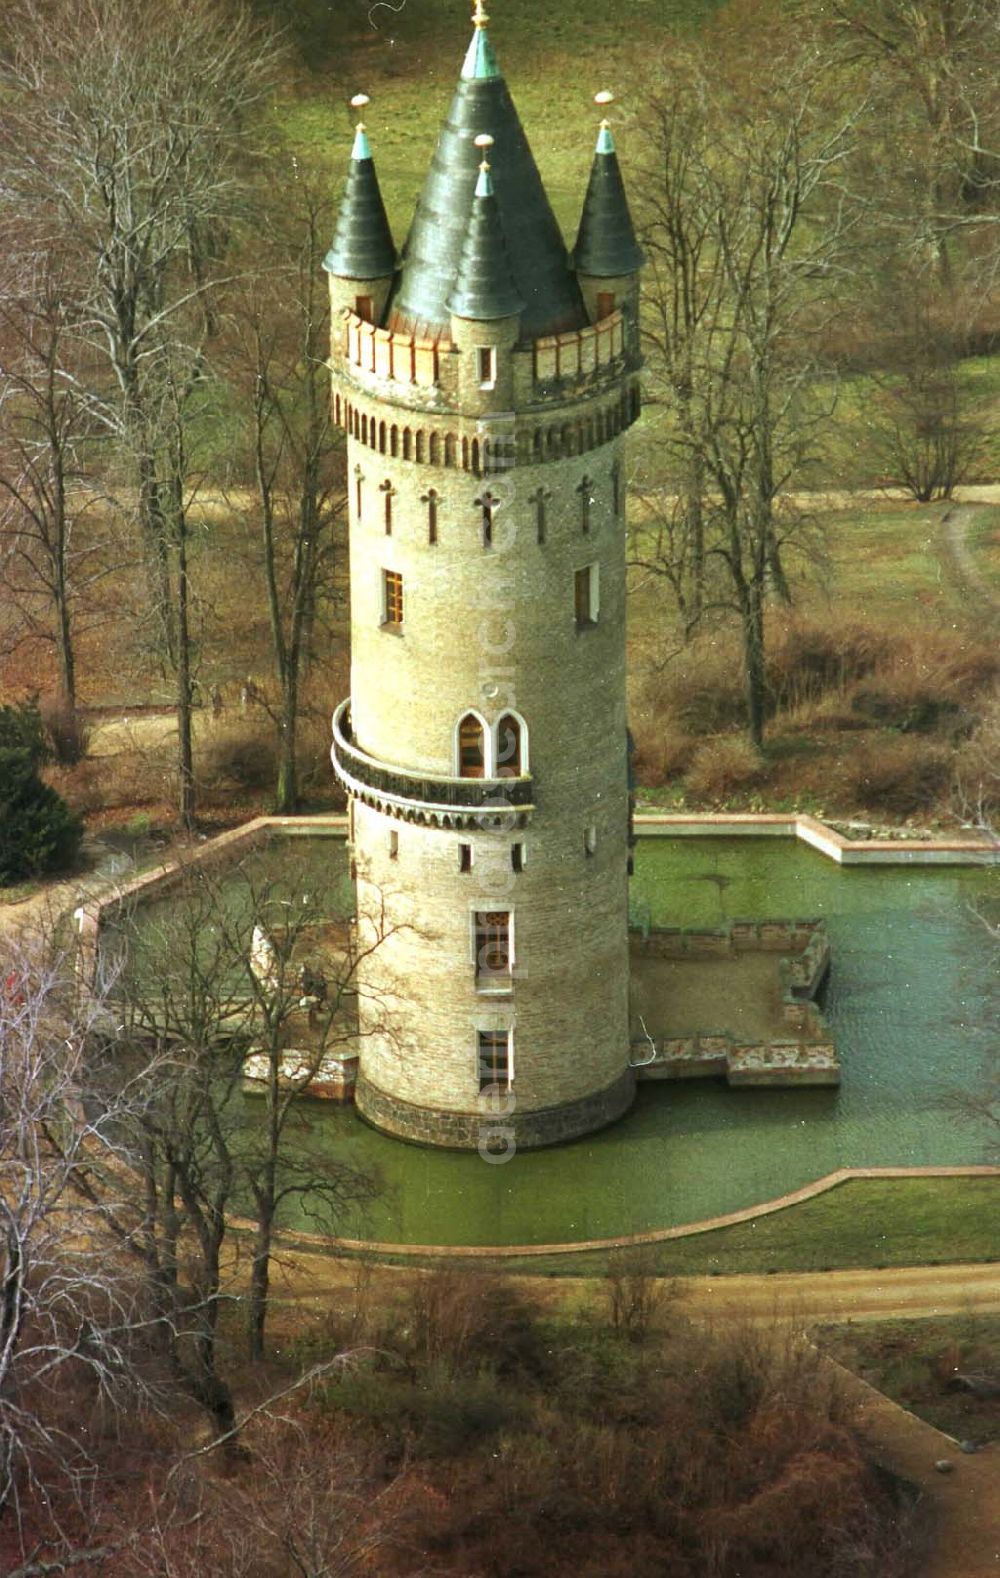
x,y
387,354
580,353
423,373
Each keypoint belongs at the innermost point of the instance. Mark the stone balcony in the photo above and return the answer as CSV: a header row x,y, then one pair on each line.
x,y
430,798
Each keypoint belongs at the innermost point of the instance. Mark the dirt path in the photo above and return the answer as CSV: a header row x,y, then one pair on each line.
x,y
973,584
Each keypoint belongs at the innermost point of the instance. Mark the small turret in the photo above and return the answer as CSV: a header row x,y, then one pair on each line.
x,y
361,261
607,256
485,303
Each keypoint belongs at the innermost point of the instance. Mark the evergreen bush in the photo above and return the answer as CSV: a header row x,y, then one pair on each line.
x,y
38,831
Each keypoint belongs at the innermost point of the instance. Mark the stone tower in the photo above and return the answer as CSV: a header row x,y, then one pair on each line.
x,y
485,382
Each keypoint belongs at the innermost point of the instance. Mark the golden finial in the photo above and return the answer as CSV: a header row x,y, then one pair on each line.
x,y
603,100
479,17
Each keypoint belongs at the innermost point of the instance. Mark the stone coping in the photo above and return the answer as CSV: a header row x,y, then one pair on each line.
x,y
657,1235
809,830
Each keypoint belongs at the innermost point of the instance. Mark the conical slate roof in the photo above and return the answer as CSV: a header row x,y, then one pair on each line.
x,y
606,245
362,241
535,248
484,286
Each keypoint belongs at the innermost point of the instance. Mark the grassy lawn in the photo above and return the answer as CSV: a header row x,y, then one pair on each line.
x,y
862,1223
408,59
915,1361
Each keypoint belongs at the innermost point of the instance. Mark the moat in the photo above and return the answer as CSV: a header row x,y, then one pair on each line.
x,y
910,1002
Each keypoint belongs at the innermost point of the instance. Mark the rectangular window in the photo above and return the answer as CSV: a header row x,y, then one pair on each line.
x,y
392,598
517,857
493,949
486,357
465,857
605,304
585,596
496,1063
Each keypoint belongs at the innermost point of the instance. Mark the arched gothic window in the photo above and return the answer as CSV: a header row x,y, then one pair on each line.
x,y
510,747
471,747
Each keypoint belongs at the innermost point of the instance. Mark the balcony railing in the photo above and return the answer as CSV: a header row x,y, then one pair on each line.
x,y
430,795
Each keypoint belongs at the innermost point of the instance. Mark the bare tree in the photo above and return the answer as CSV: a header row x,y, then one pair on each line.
x,y
123,140
122,137
919,419
54,543
280,322
750,228
241,965
938,95
73,1336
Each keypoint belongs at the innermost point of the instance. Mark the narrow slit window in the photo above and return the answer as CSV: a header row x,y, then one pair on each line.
x,y
517,857
392,598
616,488
496,1067
430,498
471,748
585,596
388,493
541,497
585,490
486,358
393,843
465,857
590,840
358,490
488,504
493,950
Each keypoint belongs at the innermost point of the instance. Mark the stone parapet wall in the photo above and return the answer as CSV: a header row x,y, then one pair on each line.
x,y
515,1130
792,1062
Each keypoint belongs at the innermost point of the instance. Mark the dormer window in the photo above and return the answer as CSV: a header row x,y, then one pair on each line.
x,y
486,361
605,304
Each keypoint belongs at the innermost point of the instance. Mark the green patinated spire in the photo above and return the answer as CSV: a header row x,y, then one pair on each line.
x,y
362,246
606,244
484,286
480,61
435,247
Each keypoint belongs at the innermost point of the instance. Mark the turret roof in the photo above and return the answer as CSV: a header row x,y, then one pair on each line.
x,y
606,245
484,285
434,249
362,246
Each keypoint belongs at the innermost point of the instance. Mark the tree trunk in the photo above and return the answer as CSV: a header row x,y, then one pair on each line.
x,y
755,676
260,1274
184,709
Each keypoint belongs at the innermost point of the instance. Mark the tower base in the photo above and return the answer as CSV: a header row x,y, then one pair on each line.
x,y
491,1134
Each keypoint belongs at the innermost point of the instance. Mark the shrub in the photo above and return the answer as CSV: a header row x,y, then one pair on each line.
x,y
64,730
809,659
38,831
21,729
635,1295
723,767
241,756
901,775
465,1319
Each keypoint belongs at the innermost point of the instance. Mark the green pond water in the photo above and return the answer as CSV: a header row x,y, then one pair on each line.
x,y
912,1001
